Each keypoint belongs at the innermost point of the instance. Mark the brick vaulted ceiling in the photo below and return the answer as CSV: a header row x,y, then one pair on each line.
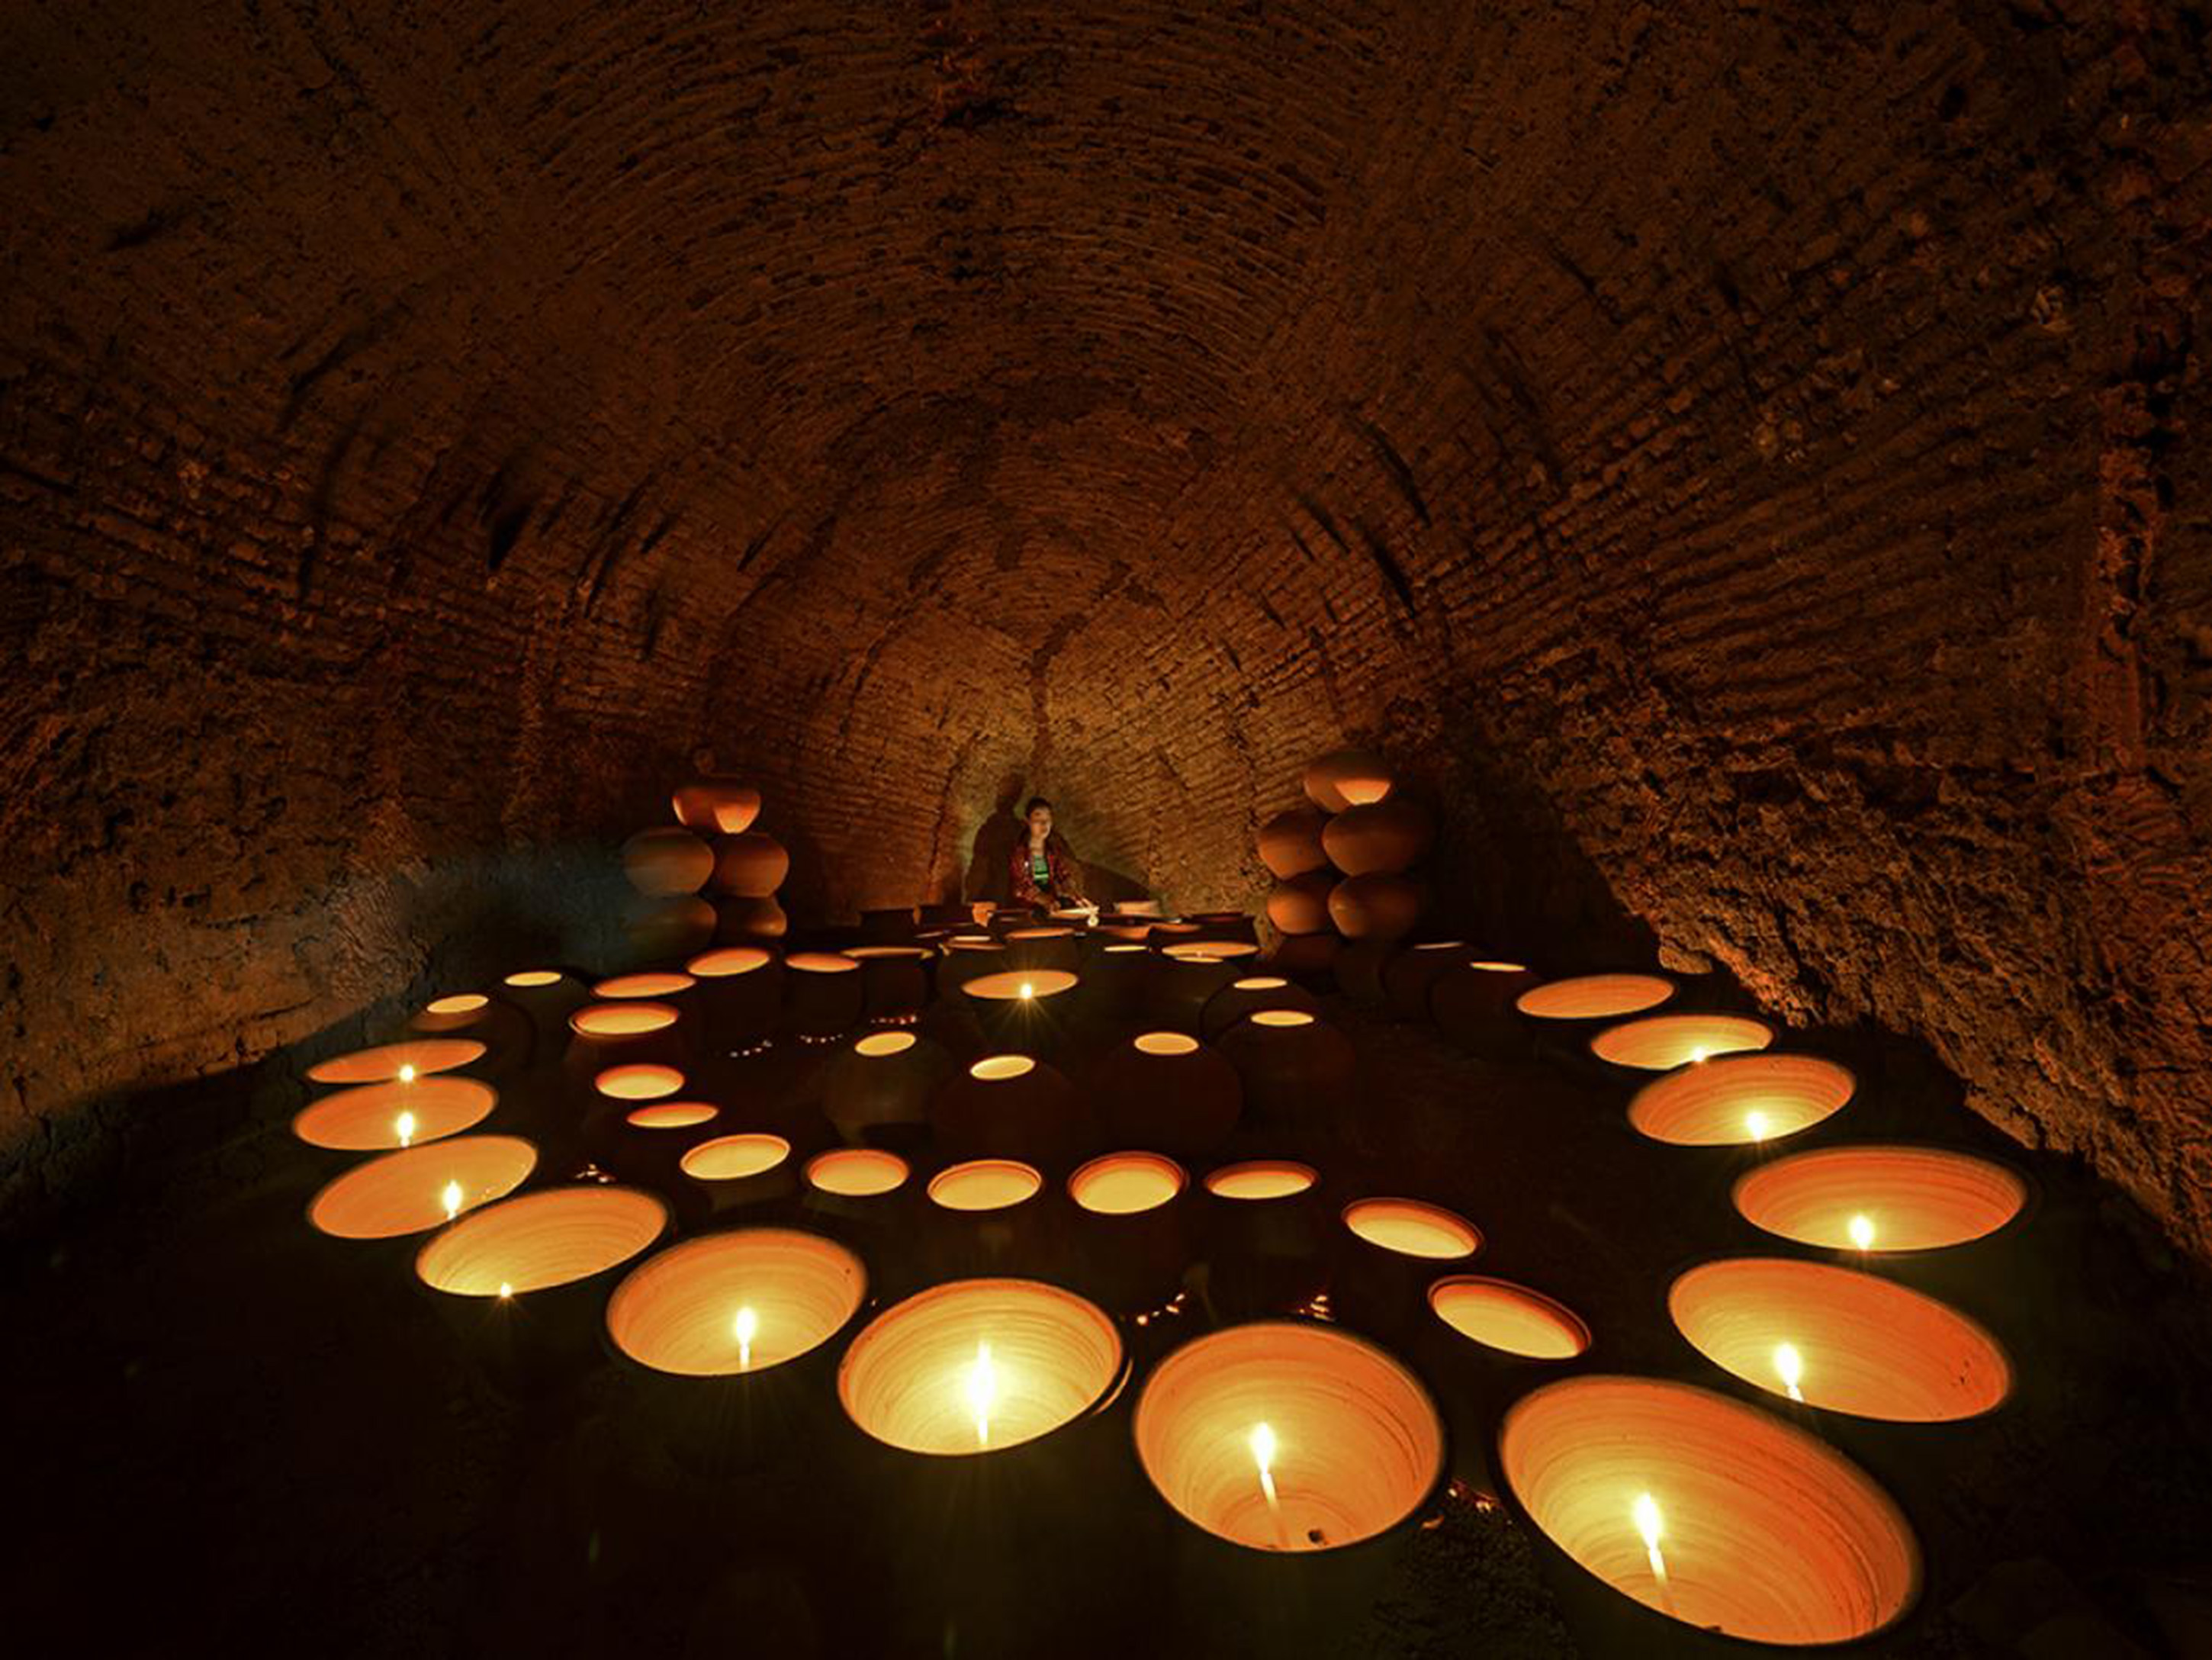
x,y
1740,457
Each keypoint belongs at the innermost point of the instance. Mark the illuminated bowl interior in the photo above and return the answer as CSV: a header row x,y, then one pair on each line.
x,y
539,1240
638,1082
1357,1443
1595,997
1740,1099
857,1172
621,1019
1211,951
1852,1342
1006,985
984,1184
1261,1179
1488,965
917,1375
626,988
1126,1183
1667,1041
366,1118
1166,1042
1881,1197
1514,1319
1001,1068
1280,1019
820,962
382,1063
1040,933
533,979
732,1157
457,1010
673,1115
680,1311
1412,1228
1260,982
877,1044
729,961
406,1192
1765,1533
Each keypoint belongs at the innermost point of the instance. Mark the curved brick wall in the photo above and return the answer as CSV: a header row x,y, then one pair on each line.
x,y
1744,462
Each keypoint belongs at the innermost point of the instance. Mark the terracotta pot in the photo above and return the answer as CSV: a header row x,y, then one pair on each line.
x,y
547,997
1263,1231
1347,779
384,1117
1660,1043
603,1035
419,1057
667,861
988,1216
740,991
419,1189
1289,843
1117,976
1384,838
671,987
737,922
1594,997
894,979
1881,1200
1486,1342
749,867
1473,1007
1359,969
1129,1238
715,807
504,1031
1409,977
1385,1252
824,993
865,1196
1186,978
1377,907
525,1281
1049,947
1012,1106
1166,1091
1299,1074
664,929
968,956
1299,904
643,1142
744,1171
877,1090
1026,1011
1740,1100
1756,1531
1234,928
1310,957
1248,996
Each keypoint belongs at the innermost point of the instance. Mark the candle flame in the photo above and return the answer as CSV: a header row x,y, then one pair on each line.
x,y
1649,1523
405,1126
1861,1230
746,1323
1263,1455
452,1200
1027,990
407,1072
1756,1124
1789,1366
983,1389
506,1290
1698,1055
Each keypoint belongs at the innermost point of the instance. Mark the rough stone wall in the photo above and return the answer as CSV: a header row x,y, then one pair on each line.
x,y
1739,456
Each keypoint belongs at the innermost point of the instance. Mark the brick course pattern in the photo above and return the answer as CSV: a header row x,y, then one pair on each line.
x,y
1738,461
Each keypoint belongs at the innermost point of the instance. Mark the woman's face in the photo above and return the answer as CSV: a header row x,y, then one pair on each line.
x,y
1040,823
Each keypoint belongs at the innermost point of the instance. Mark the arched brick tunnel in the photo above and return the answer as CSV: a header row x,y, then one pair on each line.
x,y
1739,465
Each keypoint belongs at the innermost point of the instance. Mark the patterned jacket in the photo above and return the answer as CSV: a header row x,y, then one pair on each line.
x,y
1067,874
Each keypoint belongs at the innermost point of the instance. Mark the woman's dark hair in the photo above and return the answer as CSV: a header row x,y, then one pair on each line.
x,y
1036,801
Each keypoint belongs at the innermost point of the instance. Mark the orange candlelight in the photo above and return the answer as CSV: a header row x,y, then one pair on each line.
x,y
533,979
1881,1197
1261,1179
1513,1319
744,1301
671,1115
1411,1228
372,1117
1838,1339
629,987
1771,1536
729,962
1740,1099
980,1366
621,1019
857,1172
1286,1436
984,1184
735,1158
1008,985
551,1237
1126,1183
1667,1041
420,1187
382,1063
638,1081
1595,997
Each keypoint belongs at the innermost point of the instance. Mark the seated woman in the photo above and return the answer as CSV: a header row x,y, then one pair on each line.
x,y
1044,872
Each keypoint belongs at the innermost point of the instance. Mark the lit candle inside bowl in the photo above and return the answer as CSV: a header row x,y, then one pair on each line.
x,y
1021,1010
1840,1340
421,1187
1770,1536
1736,1100
747,1300
980,1366
1926,1198
1664,1041
375,1118
384,1062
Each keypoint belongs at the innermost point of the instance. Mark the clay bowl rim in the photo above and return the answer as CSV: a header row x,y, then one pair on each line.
x,y
831,1347
1494,1354
442,1297
1631,1070
2031,1198
1672,1079
443,1079
1570,1022
535,1168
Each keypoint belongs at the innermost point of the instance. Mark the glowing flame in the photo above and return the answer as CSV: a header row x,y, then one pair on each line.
x,y
1027,991
746,1324
407,1072
506,1290
1756,1124
1789,1367
1861,1230
1698,1055
452,1200
1263,1455
406,1125
1648,1523
982,1390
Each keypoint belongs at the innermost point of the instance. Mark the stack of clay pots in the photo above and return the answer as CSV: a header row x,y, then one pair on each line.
x,y
1341,865
711,846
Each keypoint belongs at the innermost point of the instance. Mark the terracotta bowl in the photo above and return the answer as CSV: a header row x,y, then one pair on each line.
x,y
1881,1198
1473,1006
1595,997
683,1311
1665,1041
368,1118
540,1241
1167,1091
1131,1244
1248,996
1740,1100
716,806
1385,1253
421,1187
385,1062
741,993
1511,1319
